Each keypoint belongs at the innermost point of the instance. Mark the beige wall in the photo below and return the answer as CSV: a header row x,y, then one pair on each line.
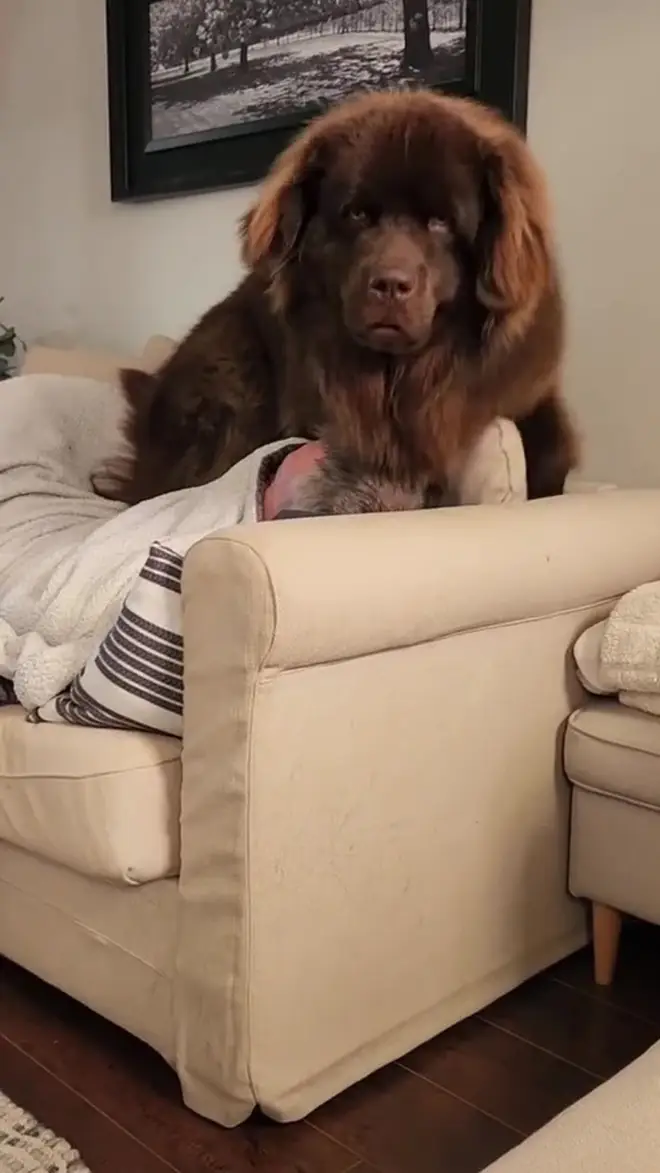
x,y
74,266
595,122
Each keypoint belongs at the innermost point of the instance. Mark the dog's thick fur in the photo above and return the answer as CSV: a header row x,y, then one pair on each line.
x,y
402,292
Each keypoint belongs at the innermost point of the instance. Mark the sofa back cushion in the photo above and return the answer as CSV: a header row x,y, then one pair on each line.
x,y
95,364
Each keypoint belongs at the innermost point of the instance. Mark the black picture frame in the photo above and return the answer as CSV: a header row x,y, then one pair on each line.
x,y
497,67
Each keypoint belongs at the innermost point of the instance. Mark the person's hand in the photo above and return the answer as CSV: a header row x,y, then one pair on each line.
x,y
285,489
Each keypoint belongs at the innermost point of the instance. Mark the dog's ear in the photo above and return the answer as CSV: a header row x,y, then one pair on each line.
x,y
514,241
273,228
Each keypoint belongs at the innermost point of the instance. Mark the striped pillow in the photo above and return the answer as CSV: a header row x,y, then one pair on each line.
x,y
134,680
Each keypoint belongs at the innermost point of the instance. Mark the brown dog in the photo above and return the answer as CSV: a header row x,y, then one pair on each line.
x,y
402,293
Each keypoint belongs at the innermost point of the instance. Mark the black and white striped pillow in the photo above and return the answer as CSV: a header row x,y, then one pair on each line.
x,y
135,678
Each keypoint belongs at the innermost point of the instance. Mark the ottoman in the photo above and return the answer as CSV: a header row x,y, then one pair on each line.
x,y
615,1129
612,758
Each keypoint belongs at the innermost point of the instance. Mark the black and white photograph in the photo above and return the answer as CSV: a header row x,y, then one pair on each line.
x,y
204,94
226,63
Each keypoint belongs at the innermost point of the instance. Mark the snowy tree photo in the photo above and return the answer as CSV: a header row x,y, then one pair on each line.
x,y
220,63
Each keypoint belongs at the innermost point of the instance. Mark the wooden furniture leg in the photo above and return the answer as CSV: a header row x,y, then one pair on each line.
x,y
607,933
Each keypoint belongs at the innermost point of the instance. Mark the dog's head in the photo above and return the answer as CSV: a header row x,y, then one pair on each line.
x,y
402,213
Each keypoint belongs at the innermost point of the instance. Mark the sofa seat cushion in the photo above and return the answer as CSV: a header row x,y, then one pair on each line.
x,y
102,802
614,750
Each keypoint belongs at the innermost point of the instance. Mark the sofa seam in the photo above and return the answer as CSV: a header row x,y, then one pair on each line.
x,y
504,451
74,920
626,799
254,683
92,777
605,741
436,639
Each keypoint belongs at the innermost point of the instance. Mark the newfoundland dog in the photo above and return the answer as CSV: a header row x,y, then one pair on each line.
x,y
402,292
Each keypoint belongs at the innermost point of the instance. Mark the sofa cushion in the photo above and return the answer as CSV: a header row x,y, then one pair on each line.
x,y
90,364
157,350
495,472
94,364
614,750
103,802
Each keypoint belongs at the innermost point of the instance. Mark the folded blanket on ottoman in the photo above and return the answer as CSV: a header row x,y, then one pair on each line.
x,y
621,654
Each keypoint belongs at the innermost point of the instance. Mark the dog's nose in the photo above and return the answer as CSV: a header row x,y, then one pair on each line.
x,y
392,284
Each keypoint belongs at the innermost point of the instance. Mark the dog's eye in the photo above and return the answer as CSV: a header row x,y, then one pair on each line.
x,y
355,214
437,226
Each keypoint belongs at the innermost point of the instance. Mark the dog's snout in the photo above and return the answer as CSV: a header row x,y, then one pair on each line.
x,y
392,284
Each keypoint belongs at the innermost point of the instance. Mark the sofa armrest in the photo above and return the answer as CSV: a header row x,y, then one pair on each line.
x,y
374,821
350,586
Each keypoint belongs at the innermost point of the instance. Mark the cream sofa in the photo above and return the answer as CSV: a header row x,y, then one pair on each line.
x,y
364,835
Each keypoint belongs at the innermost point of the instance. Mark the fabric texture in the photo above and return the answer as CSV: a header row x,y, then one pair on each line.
x,y
630,648
611,750
620,656
612,757
68,557
102,802
116,943
135,678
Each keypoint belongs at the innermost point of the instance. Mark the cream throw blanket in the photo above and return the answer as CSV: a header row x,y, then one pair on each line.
x,y
68,557
621,654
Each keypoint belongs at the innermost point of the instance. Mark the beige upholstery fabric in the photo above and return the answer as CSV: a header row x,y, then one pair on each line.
x,y
111,948
100,801
495,472
157,351
586,654
612,756
614,750
46,360
615,1129
93,364
331,723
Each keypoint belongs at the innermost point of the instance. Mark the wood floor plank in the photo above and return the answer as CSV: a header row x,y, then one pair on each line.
x,y
403,1124
509,1079
104,1146
134,1087
453,1106
598,1038
637,978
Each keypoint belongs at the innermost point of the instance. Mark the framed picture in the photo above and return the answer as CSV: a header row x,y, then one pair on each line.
x,y
205,93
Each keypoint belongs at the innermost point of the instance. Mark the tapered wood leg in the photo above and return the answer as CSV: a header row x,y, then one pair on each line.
x,y
607,933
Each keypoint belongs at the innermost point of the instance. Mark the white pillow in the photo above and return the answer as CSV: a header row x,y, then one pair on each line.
x,y
134,679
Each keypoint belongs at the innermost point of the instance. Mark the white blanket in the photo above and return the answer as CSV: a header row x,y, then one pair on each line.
x,y
621,654
67,557
630,648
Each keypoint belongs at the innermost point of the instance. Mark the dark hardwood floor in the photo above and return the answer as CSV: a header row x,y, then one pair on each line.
x,y
452,1106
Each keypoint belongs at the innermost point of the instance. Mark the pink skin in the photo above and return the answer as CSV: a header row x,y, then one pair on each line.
x,y
292,474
